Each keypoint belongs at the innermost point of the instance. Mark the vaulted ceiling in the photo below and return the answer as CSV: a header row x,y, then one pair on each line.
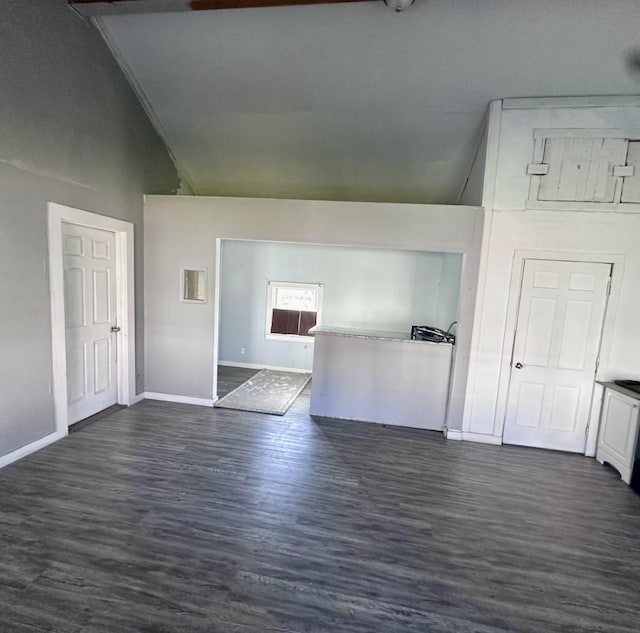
x,y
353,101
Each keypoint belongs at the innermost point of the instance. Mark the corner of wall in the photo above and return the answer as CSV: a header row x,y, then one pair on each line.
x,y
488,188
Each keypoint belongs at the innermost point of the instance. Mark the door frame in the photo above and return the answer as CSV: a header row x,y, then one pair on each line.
x,y
125,304
606,340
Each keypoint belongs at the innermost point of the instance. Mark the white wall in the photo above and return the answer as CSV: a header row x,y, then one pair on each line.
x,y
366,288
601,236
182,231
72,132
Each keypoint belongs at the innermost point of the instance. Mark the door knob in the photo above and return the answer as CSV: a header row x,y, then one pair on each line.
x,y
519,365
115,328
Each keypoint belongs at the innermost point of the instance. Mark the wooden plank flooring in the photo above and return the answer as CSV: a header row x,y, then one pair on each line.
x,y
229,378
170,518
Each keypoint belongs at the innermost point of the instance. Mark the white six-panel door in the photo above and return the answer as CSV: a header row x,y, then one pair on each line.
x,y
557,340
90,312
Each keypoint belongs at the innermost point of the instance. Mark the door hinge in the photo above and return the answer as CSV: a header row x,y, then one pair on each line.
x,y
537,169
609,286
597,365
623,171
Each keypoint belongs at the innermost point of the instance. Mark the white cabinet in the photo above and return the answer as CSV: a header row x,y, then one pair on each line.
x,y
578,154
618,431
584,166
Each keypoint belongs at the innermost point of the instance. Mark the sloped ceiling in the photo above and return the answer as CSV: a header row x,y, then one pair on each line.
x,y
353,101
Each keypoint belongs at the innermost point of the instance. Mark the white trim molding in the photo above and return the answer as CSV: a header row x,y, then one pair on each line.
x,y
216,313
23,451
482,438
608,101
169,397
125,300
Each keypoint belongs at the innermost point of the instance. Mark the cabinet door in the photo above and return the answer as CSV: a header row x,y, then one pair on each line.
x,y
631,183
580,169
584,169
619,426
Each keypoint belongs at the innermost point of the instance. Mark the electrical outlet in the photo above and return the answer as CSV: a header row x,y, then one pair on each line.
x,y
242,350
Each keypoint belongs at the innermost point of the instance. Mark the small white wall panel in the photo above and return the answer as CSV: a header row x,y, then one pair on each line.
x,y
76,373
564,408
73,245
102,365
539,331
530,404
577,325
100,249
75,311
545,279
581,281
101,297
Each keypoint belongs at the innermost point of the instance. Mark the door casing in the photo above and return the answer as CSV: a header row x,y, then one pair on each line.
x,y
125,304
617,263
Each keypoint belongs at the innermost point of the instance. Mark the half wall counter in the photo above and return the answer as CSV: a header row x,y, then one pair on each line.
x,y
378,376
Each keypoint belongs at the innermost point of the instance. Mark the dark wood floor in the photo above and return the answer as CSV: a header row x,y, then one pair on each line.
x,y
229,378
172,518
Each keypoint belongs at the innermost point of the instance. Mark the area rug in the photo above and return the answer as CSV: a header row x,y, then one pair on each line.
x,y
269,391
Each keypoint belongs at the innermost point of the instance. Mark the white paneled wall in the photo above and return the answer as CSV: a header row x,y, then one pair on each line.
x,y
558,230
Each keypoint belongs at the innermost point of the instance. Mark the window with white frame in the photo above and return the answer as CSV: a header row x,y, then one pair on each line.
x,y
292,310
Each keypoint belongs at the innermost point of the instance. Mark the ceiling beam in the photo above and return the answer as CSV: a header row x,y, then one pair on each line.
x,y
106,7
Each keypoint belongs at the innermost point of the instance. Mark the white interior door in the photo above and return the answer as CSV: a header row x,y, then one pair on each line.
x,y
90,312
559,325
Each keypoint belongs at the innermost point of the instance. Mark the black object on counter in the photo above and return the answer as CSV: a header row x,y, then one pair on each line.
x,y
433,334
632,385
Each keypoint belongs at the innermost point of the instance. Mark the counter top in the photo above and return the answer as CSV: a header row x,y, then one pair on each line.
x,y
374,376
618,388
380,335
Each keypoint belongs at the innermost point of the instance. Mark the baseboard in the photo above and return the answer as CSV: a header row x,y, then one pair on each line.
x,y
295,370
139,397
168,397
496,440
452,434
23,451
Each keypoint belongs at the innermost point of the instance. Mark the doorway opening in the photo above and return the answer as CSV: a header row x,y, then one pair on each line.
x,y
269,294
560,319
92,313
